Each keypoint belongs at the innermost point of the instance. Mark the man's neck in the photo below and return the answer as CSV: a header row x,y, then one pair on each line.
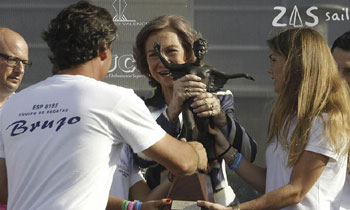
x,y
88,69
4,97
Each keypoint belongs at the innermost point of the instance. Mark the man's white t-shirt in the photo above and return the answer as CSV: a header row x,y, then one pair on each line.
x,y
126,174
61,139
330,191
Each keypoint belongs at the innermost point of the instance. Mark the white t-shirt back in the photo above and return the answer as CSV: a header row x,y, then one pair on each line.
x,y
61,139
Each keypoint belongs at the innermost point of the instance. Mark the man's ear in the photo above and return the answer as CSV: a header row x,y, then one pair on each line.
x,y
103,54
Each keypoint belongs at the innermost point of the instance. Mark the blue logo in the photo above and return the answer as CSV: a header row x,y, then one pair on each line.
x,y
19,127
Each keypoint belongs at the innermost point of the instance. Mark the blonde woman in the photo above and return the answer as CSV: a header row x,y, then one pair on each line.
x,y
307,152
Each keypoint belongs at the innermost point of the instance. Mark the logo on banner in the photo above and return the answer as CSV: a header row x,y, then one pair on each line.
x,y
120,18
119,7
295,19
124,66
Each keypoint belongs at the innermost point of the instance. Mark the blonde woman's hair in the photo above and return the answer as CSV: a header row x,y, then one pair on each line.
x,y
313,86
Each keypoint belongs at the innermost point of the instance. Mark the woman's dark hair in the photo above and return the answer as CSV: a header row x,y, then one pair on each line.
x,y
77,33
186,33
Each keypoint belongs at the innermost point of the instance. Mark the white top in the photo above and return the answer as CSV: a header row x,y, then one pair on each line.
x,y
126,174
61,139
329,191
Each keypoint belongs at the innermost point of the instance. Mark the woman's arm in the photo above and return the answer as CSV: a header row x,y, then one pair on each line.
x,y
304,175
233,130
252,174
115,203
141,191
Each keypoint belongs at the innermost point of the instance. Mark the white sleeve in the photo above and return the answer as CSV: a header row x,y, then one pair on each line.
x,y
134,123
125,175
318,142
136,174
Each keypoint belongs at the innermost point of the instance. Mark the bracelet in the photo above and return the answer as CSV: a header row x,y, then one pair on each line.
x,y
232,162
131,205
222,154
138,205
125,205
171,177
235,207
237,162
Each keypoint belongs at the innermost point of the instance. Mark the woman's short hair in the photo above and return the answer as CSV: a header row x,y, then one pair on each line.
x,y
186,33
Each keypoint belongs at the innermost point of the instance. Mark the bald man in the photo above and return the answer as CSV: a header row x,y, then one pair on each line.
x,y
13,62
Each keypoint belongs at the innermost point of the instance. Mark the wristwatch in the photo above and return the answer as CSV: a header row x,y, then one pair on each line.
x,y
235,207
232,158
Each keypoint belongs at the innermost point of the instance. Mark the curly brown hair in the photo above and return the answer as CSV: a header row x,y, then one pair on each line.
x,y
182,28
77,33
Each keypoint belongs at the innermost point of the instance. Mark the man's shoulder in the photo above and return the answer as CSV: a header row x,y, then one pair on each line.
x,y
89,84
71,85
116,91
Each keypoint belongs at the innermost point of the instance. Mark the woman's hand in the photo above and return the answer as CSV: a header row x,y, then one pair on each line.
x,y
221,143
208,105
156,204
212,206
187,86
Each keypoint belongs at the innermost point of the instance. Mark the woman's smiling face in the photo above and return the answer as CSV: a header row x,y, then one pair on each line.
x,y
171,49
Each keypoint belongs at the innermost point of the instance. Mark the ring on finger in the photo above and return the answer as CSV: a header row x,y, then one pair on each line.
x,y
211,112
187,90
187,94
211,107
